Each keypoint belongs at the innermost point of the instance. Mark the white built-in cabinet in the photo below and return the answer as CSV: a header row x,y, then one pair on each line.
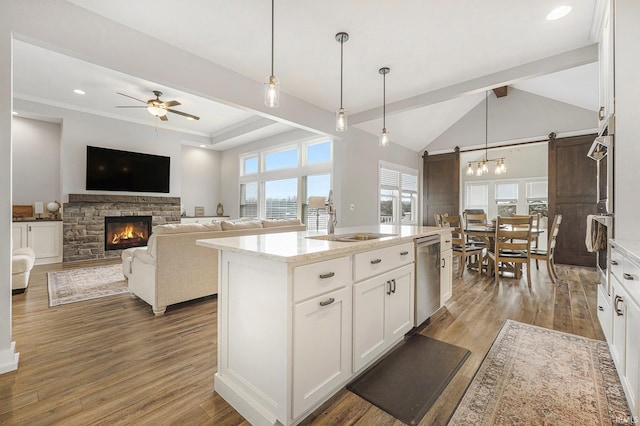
x,y
606,64
446,268
622,327
44,237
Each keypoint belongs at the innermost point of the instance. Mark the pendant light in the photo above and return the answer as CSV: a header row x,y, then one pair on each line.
x,y
272,84
384,136
482,166
341,113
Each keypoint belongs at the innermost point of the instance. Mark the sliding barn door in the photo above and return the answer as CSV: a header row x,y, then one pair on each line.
x,y
572,193
440,185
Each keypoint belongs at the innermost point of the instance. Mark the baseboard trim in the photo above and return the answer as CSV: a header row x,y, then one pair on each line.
x,y
9,359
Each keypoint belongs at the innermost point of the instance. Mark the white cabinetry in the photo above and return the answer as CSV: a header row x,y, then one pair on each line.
x,y
606,64
382,313
623,341
322,331
44,237
446,277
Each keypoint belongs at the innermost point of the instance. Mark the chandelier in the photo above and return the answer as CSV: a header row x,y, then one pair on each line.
x,y
482,166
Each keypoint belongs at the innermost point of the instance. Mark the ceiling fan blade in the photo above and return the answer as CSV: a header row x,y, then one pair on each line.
x,y
139,100
130,106
194,117
163,118
171,103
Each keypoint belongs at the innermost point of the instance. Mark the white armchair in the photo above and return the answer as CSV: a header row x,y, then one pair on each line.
x,y
22,261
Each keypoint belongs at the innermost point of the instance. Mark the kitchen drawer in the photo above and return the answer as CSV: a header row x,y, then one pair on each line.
x,y
605,315
318,278
616,263
631,279
375,262
445,241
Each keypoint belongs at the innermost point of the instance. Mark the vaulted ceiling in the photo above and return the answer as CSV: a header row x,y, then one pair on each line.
x,y
442,55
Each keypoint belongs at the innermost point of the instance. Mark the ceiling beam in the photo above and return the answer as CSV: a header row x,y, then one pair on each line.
x,y
571,59
240,128
501,91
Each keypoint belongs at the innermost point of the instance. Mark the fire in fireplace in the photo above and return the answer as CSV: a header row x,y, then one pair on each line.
x,y
122,232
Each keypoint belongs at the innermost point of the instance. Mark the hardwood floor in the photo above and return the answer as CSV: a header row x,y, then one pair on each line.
x,y
110,361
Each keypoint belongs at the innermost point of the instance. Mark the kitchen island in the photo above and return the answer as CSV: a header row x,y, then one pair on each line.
x,y
300,314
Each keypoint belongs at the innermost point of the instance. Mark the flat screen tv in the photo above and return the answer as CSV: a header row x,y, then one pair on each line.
x,y
114,170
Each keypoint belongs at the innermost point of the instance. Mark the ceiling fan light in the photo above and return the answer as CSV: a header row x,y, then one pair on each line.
x,y
272,92
341,120
157,111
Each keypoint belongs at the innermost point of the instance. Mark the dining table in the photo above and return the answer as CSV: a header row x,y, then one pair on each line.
x,y
488,234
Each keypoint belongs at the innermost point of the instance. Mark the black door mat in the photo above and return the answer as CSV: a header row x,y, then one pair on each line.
x,y
408,381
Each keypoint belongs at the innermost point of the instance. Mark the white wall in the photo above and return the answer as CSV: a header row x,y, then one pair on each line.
x,y
80,129
627,135
200,180
36,160
519,115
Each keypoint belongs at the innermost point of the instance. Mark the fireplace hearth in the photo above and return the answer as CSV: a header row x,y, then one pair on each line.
x,y
122,232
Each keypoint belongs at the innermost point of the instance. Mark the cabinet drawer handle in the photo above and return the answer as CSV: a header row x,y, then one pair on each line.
x,y
327,302
393,290
388,288
600,308
29,228
404,253
627,276
327,275
619,311
614,262
376,261
447,241
444,262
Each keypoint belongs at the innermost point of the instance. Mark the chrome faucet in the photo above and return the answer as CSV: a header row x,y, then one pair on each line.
x,y
331,221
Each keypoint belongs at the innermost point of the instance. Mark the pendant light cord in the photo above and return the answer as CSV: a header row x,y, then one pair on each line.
x,y
384,100
486,124
341,66
272,25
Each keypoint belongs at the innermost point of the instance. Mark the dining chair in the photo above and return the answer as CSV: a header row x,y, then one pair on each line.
x,y
512,244
459,245
548,255
535,227
438,218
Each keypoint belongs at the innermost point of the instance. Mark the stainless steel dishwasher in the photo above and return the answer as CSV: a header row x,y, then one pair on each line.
x,y
427,295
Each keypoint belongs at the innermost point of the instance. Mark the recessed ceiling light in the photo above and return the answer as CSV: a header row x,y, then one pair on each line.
x,y
79,92
203,146
559,12
14,113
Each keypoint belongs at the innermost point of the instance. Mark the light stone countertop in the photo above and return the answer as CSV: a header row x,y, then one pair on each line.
x,y
630,248
295,247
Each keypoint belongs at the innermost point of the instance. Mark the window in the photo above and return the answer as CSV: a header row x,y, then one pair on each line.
x,y
537,198
507,198
315,186
477,196
281,199
249,199
277,183
281,160
398,194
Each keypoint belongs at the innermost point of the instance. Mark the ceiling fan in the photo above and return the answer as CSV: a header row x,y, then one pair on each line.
x,y
158,107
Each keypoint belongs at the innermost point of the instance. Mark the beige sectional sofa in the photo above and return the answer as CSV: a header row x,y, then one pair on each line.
x,y
173,269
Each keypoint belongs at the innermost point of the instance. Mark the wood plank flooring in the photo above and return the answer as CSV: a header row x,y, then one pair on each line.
x,y
110,361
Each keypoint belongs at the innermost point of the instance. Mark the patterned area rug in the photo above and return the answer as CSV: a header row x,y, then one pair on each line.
x,y
533,375
76,285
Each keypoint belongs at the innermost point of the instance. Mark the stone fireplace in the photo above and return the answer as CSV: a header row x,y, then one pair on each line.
x,y
84,222
123,232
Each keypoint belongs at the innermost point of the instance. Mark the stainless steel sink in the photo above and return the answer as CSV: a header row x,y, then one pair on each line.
x,y
352,238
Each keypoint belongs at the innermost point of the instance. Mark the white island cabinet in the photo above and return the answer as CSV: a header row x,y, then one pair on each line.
x,y
299,317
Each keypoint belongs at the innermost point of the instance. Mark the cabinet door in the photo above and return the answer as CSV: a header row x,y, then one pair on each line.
x,y
399,305
19,235
446,279
368,320
45,239
321,347
632,354
618,334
